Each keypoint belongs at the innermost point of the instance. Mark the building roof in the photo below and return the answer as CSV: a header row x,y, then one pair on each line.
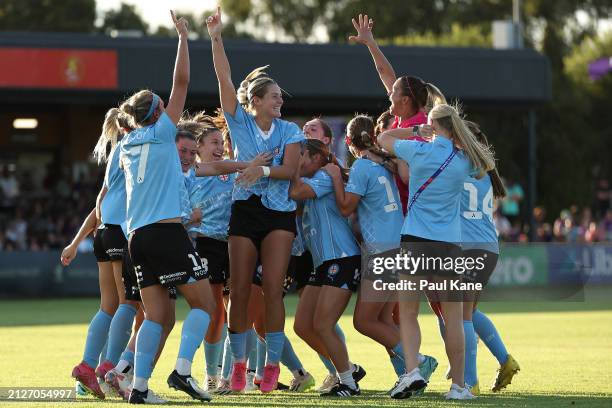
x,y
328,76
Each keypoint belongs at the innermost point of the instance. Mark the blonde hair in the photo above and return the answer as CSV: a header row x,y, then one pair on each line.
x,y
114,122
137,107
255,84
434,97
480,155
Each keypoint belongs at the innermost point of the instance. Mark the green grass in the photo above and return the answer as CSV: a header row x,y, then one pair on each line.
x,y
565,352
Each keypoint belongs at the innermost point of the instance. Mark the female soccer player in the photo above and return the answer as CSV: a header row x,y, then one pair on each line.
x,y
433,227
337,262
159,246
371,192
116,314
411,98
479,239
263,216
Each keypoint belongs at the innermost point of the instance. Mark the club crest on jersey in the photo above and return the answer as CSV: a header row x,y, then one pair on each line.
x,y
333,270
224,177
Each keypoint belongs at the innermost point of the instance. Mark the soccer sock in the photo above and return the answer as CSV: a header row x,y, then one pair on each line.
x,y
194,329
331,369
227,359
251,342
397,360
96,337
212,352
120,331
252,363
261,357
274,347
487,332
147,343
102,355
420,358
289,358
470,371
340,333
346,378
238,345
125,361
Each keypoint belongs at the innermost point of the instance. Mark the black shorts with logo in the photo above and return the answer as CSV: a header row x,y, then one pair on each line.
x,y
109,243
488,260
287,283
130,283
430,249
252,220
163,254
215,256
302,270
343,273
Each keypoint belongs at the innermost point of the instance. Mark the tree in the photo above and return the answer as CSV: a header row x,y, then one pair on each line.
x,y
48,15
124,18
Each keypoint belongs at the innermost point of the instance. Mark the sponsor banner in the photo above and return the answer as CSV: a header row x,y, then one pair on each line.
x,y
580,263
58,68
521,265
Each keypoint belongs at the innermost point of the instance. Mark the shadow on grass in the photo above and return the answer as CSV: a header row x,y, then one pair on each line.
x,y
81,310
376,399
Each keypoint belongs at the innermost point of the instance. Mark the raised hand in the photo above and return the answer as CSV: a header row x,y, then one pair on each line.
x,y
426,131
180,24
363,25
213,23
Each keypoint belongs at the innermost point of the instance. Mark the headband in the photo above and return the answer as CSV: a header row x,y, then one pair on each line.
x,y
154,103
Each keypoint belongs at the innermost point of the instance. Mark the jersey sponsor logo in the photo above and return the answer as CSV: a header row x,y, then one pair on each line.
x,y
172,277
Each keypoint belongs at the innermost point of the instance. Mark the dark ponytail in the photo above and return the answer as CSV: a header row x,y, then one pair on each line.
x,y
314,146
499,190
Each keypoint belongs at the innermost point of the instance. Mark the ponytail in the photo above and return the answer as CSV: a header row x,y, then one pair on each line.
x,y
111,131
315,146
434,97
361,134
480,155
499,190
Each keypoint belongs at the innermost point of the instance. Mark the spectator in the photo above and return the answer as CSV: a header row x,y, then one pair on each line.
x,y
603,196
9,188
511,204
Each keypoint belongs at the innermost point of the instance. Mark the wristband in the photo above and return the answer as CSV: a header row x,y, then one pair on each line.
x,y
266,171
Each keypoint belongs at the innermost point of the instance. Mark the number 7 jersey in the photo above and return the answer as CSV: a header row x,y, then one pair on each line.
x,y
477,227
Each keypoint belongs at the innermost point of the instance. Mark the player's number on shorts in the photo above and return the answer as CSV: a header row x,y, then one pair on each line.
x,y
392,206
194,260
487,203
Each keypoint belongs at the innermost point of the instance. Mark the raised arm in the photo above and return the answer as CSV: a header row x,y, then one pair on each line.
x,y
180,80
69,253
346,202
364,36
227,91
387,138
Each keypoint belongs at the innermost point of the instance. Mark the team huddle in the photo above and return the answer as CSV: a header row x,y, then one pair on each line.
x,y
232,210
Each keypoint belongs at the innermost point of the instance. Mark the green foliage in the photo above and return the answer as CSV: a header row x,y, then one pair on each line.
x,y
124,18
48,15
470,36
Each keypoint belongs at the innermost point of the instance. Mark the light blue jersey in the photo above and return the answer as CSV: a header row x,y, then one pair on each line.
x,y
326,232
298,245
189,179
153,176
112,207
379,210
248,141
477,227
435,213
213,196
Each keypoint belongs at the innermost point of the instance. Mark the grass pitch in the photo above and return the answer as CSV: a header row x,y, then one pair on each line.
x,y
564,349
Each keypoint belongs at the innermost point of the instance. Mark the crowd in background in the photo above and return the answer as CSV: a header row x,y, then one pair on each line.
x,y
38,214
45,214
